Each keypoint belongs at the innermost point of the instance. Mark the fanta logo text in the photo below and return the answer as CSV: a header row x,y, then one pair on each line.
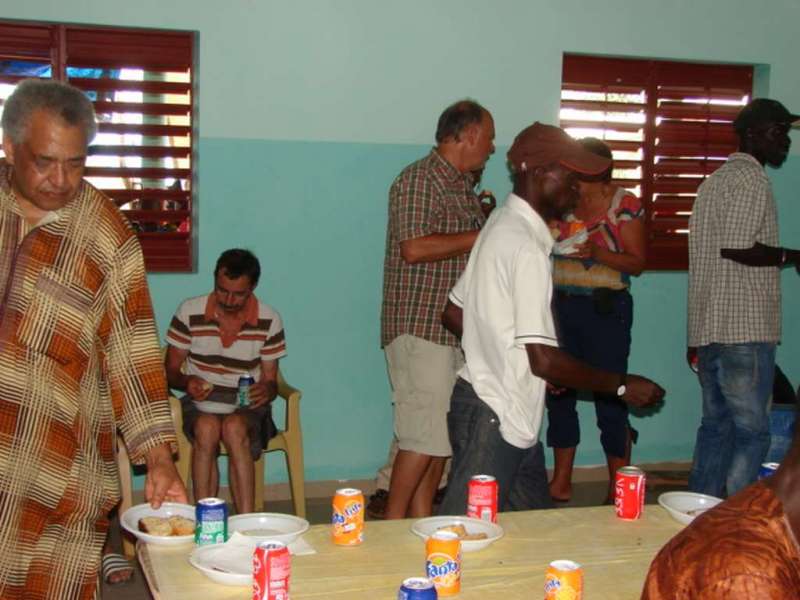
x,y
552,585
353,509
442,569
338,518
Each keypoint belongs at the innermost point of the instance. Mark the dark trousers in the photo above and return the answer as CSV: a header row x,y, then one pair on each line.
x,y
597,330
479,449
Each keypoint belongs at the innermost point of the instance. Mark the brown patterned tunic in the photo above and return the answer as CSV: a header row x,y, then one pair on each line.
x,y
743,549
79,359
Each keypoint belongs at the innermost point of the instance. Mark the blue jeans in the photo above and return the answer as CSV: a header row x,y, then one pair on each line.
x,y
479,449
733,437
601,338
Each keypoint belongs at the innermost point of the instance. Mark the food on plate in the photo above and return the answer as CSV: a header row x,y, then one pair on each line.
x,y
166,526
181,525
461,532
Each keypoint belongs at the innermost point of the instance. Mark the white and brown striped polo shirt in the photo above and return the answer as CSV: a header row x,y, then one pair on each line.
x,y
193,329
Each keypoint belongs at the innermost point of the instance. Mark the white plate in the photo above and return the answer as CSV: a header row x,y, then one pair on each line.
x,y
685,506
130,521
268,526
228,564
424,528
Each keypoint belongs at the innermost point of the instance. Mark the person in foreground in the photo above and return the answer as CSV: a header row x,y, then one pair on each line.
x,y
735,301
594,313
745,548
500,308
434,218
79,355
213,340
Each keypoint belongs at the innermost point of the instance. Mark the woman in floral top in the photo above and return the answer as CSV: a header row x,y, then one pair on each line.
x,y
601,244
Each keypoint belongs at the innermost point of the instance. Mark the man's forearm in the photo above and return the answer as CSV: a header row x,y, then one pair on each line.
x,y
177,380
453,319
437,246
157,455
559,368
761,255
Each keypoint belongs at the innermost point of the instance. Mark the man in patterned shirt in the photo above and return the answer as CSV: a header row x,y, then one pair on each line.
x,y
745,548
213,340
735,301
79,355
434,218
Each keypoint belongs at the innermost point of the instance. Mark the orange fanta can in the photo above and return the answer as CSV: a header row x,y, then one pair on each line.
x,y
563,580
443,562
348,517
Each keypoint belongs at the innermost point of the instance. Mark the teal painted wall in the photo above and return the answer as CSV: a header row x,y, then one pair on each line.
x,y
308,109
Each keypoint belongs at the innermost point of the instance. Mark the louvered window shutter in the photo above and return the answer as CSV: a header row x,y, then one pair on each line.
x,y
140,82
669,126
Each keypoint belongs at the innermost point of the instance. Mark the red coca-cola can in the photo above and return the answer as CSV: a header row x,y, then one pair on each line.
x,y
482,498
629,493
272,567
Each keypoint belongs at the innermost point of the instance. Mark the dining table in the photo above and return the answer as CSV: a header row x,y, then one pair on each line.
x,y
615,555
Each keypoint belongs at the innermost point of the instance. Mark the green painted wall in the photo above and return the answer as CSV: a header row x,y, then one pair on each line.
x,y
308,109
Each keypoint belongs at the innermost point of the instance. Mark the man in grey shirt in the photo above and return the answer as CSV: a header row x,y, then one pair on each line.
x,y
735,301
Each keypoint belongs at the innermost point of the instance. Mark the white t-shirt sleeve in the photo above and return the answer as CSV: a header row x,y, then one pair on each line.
x,y
532,288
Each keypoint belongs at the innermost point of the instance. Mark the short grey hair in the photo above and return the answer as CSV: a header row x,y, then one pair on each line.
x,y
59,98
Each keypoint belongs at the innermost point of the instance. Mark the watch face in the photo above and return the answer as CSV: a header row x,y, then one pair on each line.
x,y
621,390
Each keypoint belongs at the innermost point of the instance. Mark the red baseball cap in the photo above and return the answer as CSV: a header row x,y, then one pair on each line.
x,y
540,145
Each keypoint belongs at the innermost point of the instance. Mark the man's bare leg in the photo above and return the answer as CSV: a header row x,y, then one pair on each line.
x,y
240,462
205,474
422,502
407,472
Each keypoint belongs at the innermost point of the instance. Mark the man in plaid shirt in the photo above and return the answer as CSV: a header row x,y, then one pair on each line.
x,y
434,219
734,301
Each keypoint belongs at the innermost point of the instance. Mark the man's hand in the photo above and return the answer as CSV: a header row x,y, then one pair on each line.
x,y
162,483
585,251
198,388
262,392
691,358
641,392
488,202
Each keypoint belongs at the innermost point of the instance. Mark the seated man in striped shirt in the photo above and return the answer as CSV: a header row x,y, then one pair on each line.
x,y
212,341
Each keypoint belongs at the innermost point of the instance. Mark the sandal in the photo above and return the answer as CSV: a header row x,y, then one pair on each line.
x,y
114,563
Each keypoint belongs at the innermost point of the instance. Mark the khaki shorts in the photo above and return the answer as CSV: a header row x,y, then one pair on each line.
x,y
422,375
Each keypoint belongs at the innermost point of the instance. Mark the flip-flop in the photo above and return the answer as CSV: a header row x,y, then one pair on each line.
x,y
114,563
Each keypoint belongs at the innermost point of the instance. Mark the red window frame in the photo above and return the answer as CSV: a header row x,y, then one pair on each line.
x,y
151,157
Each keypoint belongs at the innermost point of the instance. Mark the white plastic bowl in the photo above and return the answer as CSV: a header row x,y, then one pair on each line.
x,y
227,564
130,521
685,506
425,528
268,526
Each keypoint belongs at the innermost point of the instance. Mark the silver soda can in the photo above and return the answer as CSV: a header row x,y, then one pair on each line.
x,y
243,395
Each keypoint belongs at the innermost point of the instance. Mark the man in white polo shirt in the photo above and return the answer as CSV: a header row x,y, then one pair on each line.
x,y
500,307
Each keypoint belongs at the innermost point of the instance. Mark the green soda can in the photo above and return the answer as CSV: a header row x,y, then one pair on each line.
x,y
211,522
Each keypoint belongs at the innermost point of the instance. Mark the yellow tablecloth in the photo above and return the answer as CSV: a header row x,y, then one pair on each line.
x,y
615,555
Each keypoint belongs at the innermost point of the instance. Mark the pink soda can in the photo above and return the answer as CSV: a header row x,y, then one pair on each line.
x,y
272,567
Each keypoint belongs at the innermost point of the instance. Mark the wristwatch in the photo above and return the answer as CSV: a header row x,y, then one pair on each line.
x,y
622,387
